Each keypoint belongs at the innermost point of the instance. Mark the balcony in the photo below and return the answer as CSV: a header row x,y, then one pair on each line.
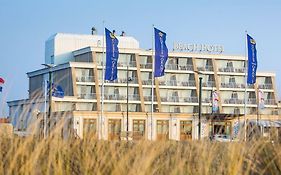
x,y
232,85
85,79
188,83
134,97
234,101
209,84
187,67
206,68
124,64
179,99
177,83
146,82
265,86
148,98
146,66
87,96
232,69
207,100
133,80
114,97
252,101
269,101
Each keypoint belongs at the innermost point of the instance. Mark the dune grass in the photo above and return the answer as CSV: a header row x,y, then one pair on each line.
x,y
55,155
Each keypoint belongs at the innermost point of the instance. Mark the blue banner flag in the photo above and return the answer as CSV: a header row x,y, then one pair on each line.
x,y
112,55
57,90
252,60
161,53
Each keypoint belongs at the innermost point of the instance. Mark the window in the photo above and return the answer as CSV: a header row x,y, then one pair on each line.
x,y
185,130
114,129
90,128
138,129
162,129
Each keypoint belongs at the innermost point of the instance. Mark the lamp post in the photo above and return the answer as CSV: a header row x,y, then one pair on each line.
x,y
49,66
200,104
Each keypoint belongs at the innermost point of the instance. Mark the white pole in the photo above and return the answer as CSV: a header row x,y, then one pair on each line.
x,y
152,84
102,89
245,92
45,106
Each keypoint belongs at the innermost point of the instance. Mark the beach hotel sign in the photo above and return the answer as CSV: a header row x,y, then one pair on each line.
x,y
178,46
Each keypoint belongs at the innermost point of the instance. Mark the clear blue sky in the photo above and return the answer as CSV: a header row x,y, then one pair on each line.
x,y
26,24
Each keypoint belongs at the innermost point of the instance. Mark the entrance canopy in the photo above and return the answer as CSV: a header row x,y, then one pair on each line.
x,y
221,116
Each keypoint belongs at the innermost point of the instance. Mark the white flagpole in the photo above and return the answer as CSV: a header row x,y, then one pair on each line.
x,y
152,84
102,89
245,92
45,106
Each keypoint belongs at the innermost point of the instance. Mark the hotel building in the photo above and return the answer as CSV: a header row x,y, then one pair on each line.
x,y
78,70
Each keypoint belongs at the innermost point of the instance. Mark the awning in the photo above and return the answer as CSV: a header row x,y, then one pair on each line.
x,y
266,123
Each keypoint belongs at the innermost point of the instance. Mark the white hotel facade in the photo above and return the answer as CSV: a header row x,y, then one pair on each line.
x,y
78,70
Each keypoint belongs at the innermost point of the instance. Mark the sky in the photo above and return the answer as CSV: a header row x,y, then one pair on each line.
x,y
26,25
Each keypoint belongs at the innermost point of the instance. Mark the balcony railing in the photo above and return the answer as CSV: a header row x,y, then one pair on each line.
x,y
232,85
146,66
252,101
207,100
85,79
179,67
134,97
148,98
146,82
87,96
177,83
133,80
205,68
124,64
232,69
265,86
114,97
179,99
269,101
234,101
209,84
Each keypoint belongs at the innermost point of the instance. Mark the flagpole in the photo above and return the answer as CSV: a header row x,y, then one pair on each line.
x,y
102,89
152,84
45,106
245,92
258,102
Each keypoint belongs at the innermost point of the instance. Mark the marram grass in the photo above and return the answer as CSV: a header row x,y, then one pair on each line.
x,y
89,156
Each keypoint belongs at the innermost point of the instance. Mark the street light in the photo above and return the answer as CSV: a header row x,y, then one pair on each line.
x,y
49,66
200,104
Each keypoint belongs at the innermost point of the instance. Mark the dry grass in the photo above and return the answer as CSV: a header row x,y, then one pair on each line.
x,y
89,156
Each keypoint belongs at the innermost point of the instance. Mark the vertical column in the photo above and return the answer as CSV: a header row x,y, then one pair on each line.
x,y
157,92
96,75
140,83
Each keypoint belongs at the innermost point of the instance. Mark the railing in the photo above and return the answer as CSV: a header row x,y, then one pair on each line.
x,y
134,97
209,84
124,64
234,101
265,86
148,98
179,67
85,79
232,85
132,80
177,83
205,68
114,97
232,69
179,99
87,96
146,82
146,66
252,101
207,100
269,101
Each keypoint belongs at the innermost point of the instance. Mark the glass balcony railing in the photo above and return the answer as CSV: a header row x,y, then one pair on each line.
x,y
232,69
85,79
234,101
146,82
177,83
132,80
148,98
209,84
146,66
114,97
265,86
205,68
232,85
252,101
179,67
87,96
269,101
179,99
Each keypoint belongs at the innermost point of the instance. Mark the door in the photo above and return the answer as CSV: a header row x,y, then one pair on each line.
x,y
114,129
162,129
138,129
185,130
90,128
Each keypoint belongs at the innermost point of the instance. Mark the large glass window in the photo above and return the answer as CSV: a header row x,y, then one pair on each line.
x,y
138,129
114,129
162,129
